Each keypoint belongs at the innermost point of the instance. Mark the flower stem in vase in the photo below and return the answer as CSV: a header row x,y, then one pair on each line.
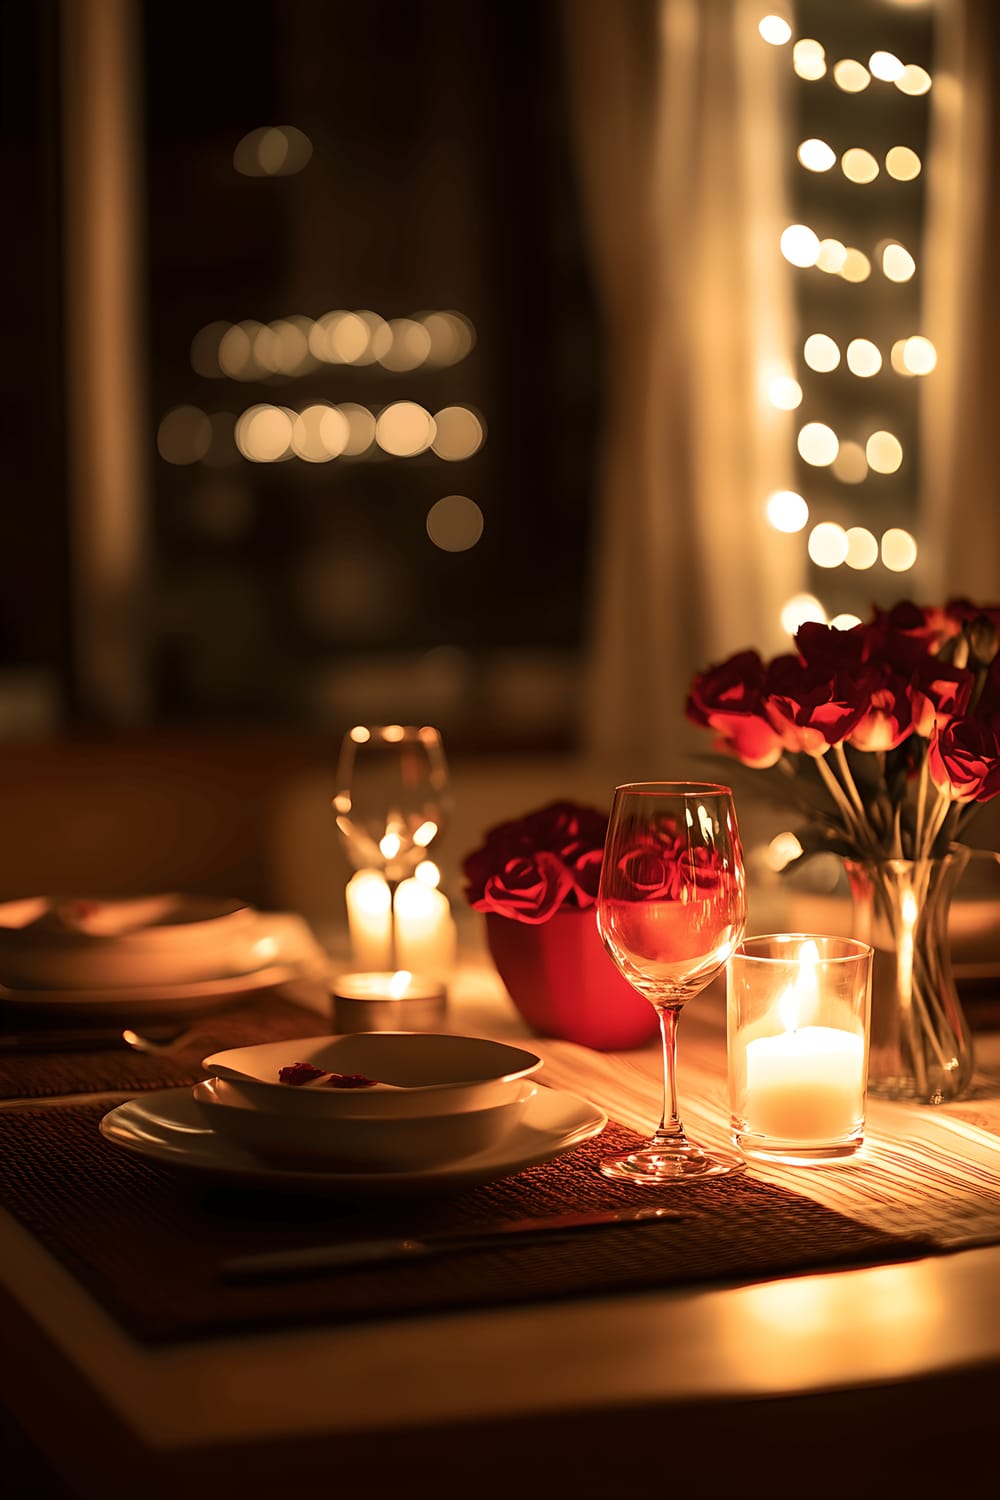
x,y
921,1049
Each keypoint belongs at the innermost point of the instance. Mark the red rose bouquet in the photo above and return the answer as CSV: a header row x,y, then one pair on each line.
x,y
887,735
887,738
531,867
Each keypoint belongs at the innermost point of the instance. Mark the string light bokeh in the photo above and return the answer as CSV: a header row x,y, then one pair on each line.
x,y
857,153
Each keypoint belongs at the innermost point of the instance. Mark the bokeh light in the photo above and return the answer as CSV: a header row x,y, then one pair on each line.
x,y
828,544
902,164
272,151
858,165
184,435
264,433
360,428
458,433
884,452
862,548
817,444
407,345
809,59
451,334
775,29
845,622
784,392
404,429
821,352
863,358
205,350
919,356
897,263
799,245
899,550
800,610
885,66
455,523
787,511
319,433
831,257
851,76
913,80
816,155
856,266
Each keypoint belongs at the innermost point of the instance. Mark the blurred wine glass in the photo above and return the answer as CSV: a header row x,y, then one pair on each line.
x,y
392,800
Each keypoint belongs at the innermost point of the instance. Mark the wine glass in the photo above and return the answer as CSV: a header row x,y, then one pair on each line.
x,y
392,800
671,909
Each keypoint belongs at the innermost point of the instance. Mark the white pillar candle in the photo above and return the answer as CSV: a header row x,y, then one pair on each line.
x,y
369,919
805,1085
425,929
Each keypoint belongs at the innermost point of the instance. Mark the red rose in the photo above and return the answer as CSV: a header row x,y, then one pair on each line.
x,y
528,868
938,692
727,698
888,716
810,707
964,760
930,626
529,887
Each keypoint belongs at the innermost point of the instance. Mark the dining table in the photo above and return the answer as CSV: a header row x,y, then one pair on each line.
x,y
829,1330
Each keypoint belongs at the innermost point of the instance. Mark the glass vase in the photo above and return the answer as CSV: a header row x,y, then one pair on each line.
x,y
921,1047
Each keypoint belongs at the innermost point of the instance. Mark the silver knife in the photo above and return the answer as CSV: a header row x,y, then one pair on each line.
x,y
354,1253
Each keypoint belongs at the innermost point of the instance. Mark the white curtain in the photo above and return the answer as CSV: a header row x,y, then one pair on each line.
x,y
678,112
961,522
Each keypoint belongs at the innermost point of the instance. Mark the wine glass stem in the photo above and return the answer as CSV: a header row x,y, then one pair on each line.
x,y
671,1128
393,944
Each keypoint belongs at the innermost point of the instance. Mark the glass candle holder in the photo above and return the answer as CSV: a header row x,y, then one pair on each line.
x,y
798,1016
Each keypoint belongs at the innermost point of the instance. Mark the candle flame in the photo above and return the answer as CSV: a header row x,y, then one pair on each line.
x,y
399,983
800,1001
370,892
390,845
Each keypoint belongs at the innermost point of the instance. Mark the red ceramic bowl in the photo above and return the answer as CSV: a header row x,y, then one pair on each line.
x,y
564,983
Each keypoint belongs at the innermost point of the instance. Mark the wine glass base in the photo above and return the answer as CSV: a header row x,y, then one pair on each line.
x,y
655,1166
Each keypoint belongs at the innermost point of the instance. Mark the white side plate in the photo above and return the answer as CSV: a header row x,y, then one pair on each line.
x,y
125,1000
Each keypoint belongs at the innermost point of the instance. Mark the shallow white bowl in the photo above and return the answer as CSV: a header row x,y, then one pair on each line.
x,y
80,943
417,1073
349,1143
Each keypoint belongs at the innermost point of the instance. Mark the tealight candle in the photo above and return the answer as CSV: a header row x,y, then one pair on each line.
x,y
388,1000
798,1046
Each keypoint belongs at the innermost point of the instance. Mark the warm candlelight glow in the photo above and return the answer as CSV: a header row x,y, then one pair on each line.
x,y
797,1045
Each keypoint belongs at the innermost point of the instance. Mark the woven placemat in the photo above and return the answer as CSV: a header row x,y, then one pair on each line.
x,y
116,1068
148,1242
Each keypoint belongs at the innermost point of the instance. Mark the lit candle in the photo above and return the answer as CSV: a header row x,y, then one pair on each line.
x,y
806,1085
388,1000
425,928
369,919
808,1082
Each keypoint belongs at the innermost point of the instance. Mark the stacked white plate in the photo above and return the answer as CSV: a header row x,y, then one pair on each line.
x,y
182,952
435,1113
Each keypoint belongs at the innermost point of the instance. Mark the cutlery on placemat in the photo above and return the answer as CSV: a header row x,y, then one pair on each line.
x,y
153,1039
356,1253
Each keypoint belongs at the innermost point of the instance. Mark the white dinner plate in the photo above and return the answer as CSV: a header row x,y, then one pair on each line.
x,y
125,1001
169,1127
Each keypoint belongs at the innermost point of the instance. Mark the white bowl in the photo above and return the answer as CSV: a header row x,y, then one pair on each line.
x,y
81,943
416,1073
348,1143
